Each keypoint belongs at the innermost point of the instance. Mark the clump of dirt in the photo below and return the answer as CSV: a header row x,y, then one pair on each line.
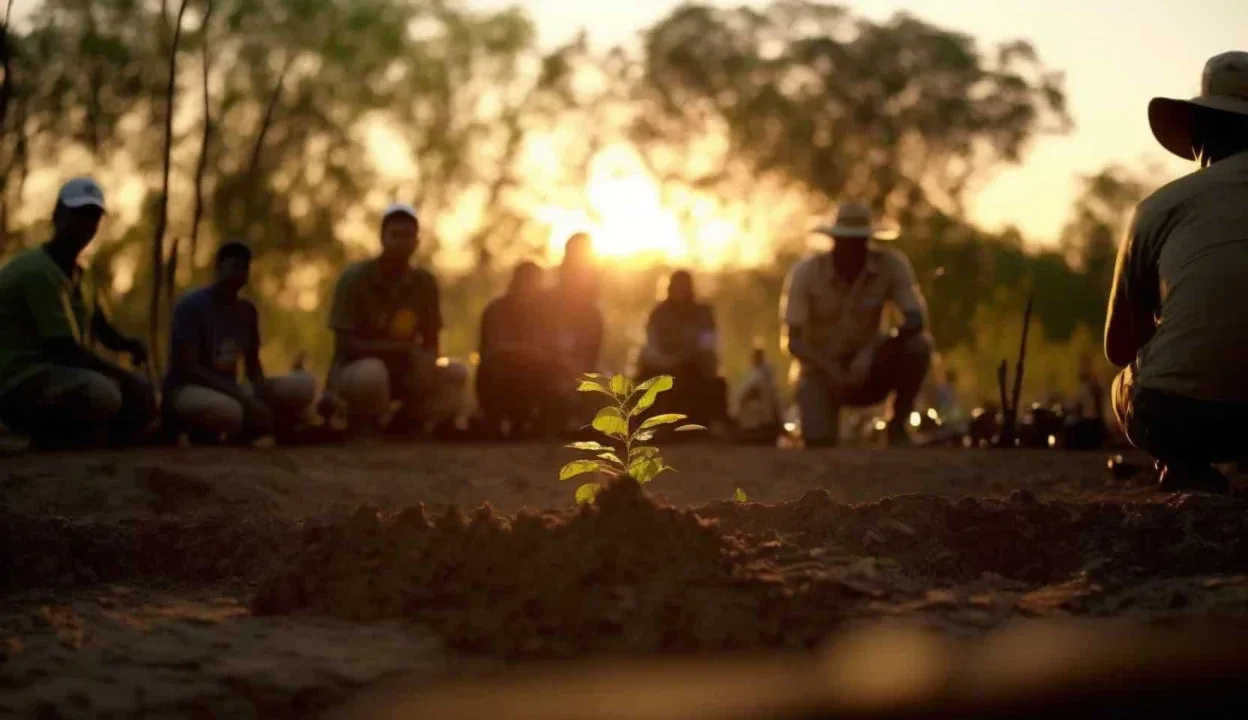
x,y
623,576
631,576
56,552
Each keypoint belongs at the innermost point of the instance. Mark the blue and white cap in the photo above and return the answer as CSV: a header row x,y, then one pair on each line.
x,y
81,192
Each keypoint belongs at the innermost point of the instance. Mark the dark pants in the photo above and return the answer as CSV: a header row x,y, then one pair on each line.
x,y
1180,431
517,389
696,393
898,369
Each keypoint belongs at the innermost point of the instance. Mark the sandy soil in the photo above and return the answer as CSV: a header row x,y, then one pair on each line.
x,y
249,583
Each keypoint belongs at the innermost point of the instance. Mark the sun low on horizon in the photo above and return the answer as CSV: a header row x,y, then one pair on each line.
x,y
630,222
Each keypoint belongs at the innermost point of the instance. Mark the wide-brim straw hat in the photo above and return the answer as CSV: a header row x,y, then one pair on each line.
x,y
854,220
1223,88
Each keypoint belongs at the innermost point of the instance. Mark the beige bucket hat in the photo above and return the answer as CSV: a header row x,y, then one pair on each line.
x,y
853,220
1223,88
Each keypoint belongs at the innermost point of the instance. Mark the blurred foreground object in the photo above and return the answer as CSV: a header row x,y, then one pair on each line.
x,y
1035,669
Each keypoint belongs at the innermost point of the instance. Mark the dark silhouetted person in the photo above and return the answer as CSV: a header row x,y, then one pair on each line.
x,y
681,341
1178,307
53,387
832,309
386,317
575,326
515,380
215,339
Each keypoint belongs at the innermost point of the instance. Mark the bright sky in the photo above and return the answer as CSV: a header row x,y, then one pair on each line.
x,y
1116,55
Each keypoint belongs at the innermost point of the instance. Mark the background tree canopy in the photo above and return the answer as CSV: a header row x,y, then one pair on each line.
x,y
295,121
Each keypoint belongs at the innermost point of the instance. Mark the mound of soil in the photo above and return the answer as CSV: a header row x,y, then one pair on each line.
x,y
630,576
624,576
56,552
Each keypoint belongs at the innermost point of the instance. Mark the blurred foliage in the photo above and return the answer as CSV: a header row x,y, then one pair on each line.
x,y
801,100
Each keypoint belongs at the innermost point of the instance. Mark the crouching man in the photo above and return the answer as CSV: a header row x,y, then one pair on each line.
x,y
1177,306
53,387
386,318
832,309
215,333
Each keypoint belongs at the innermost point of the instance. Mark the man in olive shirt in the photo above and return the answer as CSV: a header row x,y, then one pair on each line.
x,y
681,341
832,310
1177,310
53,387
386,317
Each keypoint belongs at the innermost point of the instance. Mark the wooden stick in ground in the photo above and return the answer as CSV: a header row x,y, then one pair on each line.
x,y
1022,359
1006,437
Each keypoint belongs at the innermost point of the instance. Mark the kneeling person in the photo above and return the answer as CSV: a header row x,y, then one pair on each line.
x,y
386,317
53,387
516,378
214,332
833,306
680,341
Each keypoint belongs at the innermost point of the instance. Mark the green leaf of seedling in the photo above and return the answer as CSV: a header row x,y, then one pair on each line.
x,y
740,496
689,428
612,458
579,467
592,376
644,471
642,451
621,386
650,390
658,420
644,436
586,493
591,386
590,446
611,423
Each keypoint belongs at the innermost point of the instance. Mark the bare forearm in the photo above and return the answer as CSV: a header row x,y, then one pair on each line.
x,y
108,335
69,353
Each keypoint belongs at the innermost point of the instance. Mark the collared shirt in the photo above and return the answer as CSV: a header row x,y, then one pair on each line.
x,y
842,318
1183,270
370,306
38,302
221,333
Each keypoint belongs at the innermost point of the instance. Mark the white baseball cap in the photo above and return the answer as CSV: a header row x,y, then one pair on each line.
x,y
400,209
81,192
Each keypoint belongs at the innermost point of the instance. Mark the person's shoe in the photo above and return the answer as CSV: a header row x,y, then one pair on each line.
x,y
1204,479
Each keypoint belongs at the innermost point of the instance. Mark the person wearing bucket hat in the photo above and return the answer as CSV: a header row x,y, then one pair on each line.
x,y
53,386
832,308
386,318
1175,321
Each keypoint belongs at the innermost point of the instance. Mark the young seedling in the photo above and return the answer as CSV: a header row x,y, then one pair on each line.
x,y
624,450
739,496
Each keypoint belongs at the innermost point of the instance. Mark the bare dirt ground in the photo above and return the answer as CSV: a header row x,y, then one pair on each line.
x,y
184,583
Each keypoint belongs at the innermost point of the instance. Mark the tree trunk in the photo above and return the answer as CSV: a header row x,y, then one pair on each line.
x,y
162,210
202,165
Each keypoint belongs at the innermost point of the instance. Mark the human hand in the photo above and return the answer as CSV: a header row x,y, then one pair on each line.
x,y
860,366
137,351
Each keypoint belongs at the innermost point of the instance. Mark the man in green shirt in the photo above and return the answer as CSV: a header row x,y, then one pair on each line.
x,y
386,318
53,386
